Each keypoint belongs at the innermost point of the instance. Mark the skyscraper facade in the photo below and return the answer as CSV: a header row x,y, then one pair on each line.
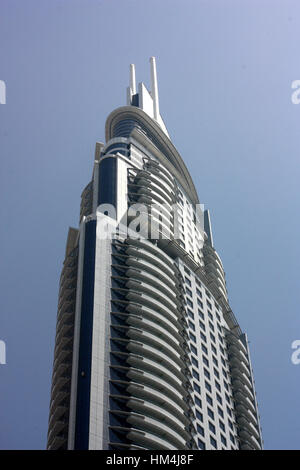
x,y
148,353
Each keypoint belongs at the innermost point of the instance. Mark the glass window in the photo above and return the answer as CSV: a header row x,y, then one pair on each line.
x,y
211,427
201,444
201,314
218,386
219,398
190,314
195,362
222,426
199,292
199,415
205,361
215,361
213,442
197,400
187,271
193,337
189,292
203,336
209,400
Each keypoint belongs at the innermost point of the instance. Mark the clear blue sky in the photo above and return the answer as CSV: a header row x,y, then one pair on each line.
x,y
225,70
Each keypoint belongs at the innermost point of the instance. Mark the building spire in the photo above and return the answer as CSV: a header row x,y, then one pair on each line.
x,y
144,99
154,88
132,83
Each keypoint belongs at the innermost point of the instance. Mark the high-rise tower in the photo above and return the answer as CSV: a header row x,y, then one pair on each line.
x,y
148,353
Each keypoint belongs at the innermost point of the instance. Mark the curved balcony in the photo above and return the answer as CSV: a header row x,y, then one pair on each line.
x,y
158,217
141,253
148,364
58,413
153,304
159,174
134,262
240,397
62,371
154,383
146,187
59,384
150,279
247,438
153,289
152,411
56,428
155,167
153,327
233,339
154,427
152,344
135,312
159,414
148,177
142,439
237,373
239,385
57,442
235,361
242,409
153,214
166,340
157,356
63,355
151,298
234,349
65,316
160,398
243,421
65,343
213,258
154,370
145,179
157,369
139,193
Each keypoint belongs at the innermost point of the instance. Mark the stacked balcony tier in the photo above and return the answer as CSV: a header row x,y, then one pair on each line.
x,y
150,400
243,393
63,354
